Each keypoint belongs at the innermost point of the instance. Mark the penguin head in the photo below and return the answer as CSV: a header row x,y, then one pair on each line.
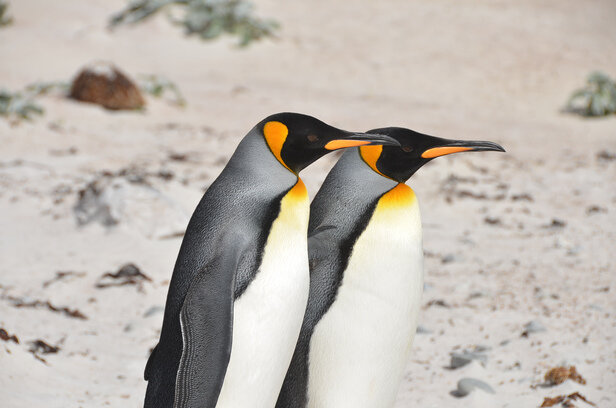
x,y
416,149
298,140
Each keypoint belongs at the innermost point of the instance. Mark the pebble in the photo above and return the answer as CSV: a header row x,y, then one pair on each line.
x,y
468,385
449,258
153,310
533,326
461,359
423,330
125,199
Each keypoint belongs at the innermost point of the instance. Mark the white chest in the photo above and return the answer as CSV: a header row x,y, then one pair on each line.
x,y
359,349
268,316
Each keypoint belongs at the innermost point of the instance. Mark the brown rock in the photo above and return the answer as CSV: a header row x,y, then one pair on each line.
x,y
104,84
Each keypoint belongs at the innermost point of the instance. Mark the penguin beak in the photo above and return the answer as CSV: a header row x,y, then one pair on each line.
x,y
454,146
350,139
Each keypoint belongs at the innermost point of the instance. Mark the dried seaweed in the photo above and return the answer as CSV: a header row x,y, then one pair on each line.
x,y
437,302
128,274
208,19
559,375
38,347
551,401
37,304
4,335
566,400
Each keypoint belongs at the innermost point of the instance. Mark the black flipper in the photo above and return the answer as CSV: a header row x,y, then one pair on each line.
x,y
293,393
207,328
148,366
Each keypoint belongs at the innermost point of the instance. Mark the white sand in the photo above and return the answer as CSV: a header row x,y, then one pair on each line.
x,y
496,70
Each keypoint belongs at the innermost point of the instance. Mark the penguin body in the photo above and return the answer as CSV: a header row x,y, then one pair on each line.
x,y
268,315
377,301
366,265
239,288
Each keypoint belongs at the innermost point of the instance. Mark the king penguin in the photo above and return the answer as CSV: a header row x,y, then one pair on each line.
x,y
366,276
240,284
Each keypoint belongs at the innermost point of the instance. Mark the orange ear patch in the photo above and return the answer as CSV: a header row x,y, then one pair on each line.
x,y
441,151
370,155
275,135
341,144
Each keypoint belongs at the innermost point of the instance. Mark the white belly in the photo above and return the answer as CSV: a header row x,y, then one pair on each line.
x,y
268,316
359,349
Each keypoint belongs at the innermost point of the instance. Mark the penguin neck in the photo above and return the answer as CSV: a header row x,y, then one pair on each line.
x,y
254,162
350,188
356,174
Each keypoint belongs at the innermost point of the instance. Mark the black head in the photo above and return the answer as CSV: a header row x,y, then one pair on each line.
x,y
415,150
298,140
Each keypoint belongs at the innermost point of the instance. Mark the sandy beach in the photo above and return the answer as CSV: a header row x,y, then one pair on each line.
x,y
509,239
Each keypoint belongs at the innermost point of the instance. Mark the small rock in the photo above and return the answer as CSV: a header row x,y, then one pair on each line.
x,y
423,330
468,385
104,84
522,197
480,348
570,247
595,209
533,327
556,223
112,199
153,310
477,294
492,221
605,155
465,357
448,258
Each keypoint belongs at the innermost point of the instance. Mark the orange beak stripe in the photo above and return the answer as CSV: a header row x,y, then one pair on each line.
x,y
341,144
442,151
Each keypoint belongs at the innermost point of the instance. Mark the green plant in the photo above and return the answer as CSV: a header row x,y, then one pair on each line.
x,y
156,86
21,105
206,18
18,106
4,19
597,98
44,88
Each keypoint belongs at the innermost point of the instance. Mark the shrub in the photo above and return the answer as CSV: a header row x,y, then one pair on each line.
x,y
4,19
597,98
206,18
